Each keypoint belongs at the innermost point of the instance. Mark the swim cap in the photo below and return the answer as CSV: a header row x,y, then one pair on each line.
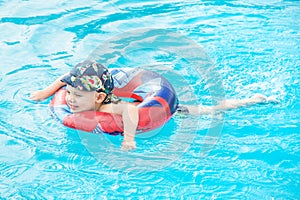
x,y
90,76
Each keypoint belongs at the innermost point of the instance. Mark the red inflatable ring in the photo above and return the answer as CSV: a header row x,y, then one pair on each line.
x,y
157,98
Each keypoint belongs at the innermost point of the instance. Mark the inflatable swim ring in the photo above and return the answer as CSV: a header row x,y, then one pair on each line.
x,y
156,96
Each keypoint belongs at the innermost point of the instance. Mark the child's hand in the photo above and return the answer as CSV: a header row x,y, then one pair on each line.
x,y
128,145
38,95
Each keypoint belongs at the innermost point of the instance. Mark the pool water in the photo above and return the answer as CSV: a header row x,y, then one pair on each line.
x,y
208,50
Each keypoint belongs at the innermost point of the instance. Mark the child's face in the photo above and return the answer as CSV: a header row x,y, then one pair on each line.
x,y
80,101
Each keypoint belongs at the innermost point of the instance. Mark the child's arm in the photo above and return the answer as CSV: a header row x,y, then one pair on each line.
x,y
130,117
230,104
48,91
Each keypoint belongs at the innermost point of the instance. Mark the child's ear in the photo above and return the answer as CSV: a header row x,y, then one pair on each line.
x,y
100,97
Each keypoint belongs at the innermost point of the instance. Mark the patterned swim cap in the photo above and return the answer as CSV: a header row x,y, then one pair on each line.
x,y
90,76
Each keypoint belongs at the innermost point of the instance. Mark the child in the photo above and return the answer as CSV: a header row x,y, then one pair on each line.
x,y
89,86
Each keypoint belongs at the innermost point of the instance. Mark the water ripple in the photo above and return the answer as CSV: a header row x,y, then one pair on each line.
x,y
27,68
96,26
37,20
31,20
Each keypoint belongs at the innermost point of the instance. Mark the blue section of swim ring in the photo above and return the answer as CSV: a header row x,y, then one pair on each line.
x,y
167,92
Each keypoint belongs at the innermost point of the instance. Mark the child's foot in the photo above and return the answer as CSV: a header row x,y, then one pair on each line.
x,y
259,98
272,99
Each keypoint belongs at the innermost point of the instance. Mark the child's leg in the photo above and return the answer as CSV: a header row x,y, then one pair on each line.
x,y
229,104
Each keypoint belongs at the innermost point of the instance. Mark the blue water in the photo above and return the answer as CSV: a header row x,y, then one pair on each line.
x,y
248,46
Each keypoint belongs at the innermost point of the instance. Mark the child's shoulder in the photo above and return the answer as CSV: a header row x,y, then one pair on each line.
x,y
116,108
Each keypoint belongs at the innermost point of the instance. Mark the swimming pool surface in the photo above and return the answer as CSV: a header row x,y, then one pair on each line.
x,y
207,50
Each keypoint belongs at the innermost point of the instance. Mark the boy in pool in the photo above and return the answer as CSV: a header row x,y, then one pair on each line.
x,y
89,86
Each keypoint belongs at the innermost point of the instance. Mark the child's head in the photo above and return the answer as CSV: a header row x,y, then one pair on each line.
x,y
88,84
